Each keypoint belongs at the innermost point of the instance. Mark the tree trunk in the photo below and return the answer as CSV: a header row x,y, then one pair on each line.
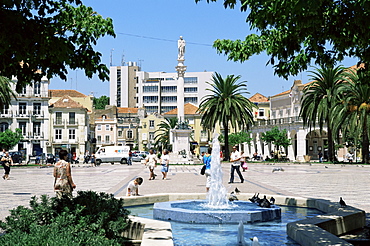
x,y
365,142
226,130
330,145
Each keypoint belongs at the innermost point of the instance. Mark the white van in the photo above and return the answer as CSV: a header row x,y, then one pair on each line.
x,y
112,154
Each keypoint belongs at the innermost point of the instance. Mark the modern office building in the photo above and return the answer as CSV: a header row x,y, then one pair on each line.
x,y
155,91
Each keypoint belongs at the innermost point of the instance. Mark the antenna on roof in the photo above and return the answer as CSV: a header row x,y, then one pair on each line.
x,y
111,57
123,58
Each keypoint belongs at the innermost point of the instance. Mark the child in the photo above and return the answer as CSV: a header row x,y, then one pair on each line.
x,y
133,187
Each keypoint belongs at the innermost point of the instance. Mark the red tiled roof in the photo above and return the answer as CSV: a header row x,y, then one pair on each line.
x,y
67,102
189,108
258,98
61,93
127,110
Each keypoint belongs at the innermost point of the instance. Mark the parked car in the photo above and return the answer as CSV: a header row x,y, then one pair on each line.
x,y
16,156
50,158
137,157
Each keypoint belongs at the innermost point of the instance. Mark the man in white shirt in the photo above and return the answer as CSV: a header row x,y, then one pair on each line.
x,y
235,165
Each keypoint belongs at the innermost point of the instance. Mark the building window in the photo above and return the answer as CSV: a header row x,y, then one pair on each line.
x,y
107,138
37,108
169,89
6,109
24,90
72,118
36,128
165,109
107,127
98,138
261,112
150,89
150,99
203,134
167,99
22,107
151,135
193,100
72,134
58,134
37,88
58,118
190,80
129,134
151,124
4,126
23,127
151,109
119,133
191,89
191,121
99,127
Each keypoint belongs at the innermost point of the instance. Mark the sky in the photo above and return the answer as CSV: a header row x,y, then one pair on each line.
x,y
147,32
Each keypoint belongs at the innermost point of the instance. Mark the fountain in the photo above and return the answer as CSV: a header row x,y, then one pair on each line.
x,y
216,209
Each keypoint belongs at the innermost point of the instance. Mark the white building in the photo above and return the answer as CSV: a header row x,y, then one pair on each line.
x,y
30,114
69,126
155,91
284,113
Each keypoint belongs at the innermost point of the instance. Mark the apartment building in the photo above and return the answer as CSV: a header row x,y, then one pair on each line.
x,y
154,91
29,112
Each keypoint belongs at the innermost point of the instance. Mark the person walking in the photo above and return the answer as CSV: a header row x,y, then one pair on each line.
x,y
93,163
235,165
63,183
7,161
151,163
165,162
207,162
129,162
320,156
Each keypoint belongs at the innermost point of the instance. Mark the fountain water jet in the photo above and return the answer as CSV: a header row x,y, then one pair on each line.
x,y
216,209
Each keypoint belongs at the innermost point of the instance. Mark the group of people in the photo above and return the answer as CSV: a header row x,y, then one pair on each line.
x,y
237,160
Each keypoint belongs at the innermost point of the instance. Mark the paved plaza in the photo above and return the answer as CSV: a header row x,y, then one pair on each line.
x,y
327,181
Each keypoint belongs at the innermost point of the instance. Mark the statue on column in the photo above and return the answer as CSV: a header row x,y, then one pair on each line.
x,y
181,48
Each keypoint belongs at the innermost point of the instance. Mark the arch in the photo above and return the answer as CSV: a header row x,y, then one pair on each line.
x,y
316,141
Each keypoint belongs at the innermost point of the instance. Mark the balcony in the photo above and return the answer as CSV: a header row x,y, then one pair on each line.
x,y
72,122
59,122
280,121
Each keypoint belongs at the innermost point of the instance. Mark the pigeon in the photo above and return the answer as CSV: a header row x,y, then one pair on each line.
x,y
237,191
255,241
272,200
326,166
276,169
233,197
342,203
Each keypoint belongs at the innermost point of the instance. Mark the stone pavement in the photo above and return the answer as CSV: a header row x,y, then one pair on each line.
x,y
304,180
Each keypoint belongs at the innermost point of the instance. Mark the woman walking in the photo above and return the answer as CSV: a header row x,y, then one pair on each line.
x,y
63,183
165,162
151,163
7,162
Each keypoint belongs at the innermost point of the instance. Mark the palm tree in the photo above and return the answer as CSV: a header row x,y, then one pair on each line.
x,y
226,105
351,113
163,138
318,100
6,92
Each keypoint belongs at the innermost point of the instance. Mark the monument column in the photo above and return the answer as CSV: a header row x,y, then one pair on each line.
x,y
181,133
180,68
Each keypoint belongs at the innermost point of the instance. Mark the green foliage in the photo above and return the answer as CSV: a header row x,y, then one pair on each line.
x,y
226,105
49,36
319,99
295,34
239,138
351,112
9,139
100,102
88,218
6,92
276,137
162,137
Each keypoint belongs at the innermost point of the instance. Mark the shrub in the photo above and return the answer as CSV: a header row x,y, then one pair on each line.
x,y
87,217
